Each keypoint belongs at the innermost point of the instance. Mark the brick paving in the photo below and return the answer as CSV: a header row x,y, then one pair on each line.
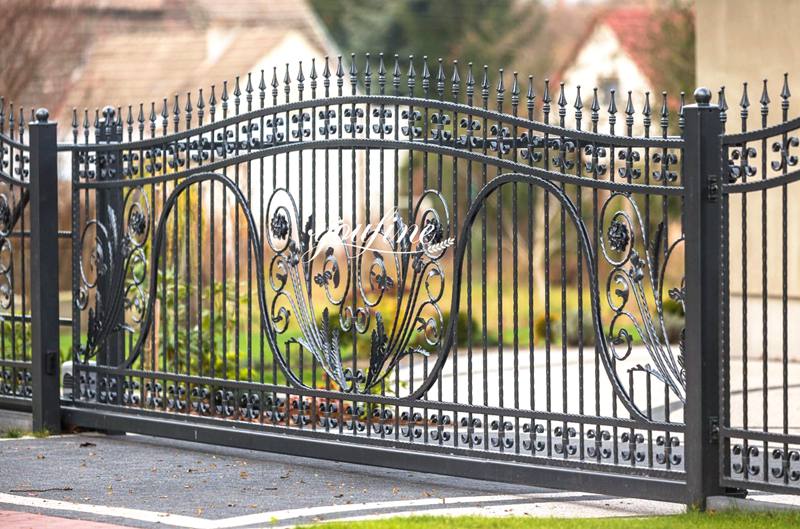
x,y
27,520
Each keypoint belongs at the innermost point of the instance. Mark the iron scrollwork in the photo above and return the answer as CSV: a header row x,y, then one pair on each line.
x,y
113,269
355,278
634,292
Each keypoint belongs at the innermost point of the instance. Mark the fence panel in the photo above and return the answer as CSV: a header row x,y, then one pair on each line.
x,y
260,264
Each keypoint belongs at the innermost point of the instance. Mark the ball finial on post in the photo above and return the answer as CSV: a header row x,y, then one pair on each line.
x,y
702,96
42,115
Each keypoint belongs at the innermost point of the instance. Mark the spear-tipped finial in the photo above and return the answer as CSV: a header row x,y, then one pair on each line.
x,y
396,74
612,103
412,74
201,105
595,101
300,75
313,76
744,102
764,99
515,88
578,105
664,111
188,107
440,77
546,98
455,80
381,73
531,94
785,93
485,83
501,87
629,110
426,75
249,87
237,91
562,97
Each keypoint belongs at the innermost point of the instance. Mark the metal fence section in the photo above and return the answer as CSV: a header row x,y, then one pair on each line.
x,y
431,267
16,377
760,435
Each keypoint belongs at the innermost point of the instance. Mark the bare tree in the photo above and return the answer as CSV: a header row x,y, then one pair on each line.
x,y
31,29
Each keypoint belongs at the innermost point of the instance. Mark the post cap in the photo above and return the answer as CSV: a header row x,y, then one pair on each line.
x,y
109,112
702,96
42,115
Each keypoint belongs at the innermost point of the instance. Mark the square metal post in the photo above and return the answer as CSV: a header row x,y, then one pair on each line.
x,y
44,273
702,229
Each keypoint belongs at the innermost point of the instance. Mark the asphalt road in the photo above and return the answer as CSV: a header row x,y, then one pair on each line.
x,y
145,482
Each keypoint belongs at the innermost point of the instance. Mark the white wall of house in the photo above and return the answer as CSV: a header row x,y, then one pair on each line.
x,y
603,63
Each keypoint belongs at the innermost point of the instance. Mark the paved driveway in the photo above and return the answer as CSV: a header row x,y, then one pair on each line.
x,y
144,482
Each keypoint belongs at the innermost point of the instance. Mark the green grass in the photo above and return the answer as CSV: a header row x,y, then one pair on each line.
x,y
732,520
13,433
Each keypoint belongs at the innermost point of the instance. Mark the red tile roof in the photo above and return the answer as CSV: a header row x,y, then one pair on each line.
x,y
636,28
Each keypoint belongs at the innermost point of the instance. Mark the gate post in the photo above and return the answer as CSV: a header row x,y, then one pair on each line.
x,y
702,229
44,273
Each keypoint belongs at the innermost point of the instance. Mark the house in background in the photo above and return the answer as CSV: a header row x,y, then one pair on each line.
x,y
617,53
124,53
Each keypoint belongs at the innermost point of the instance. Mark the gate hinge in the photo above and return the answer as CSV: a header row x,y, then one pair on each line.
x,y
713,188
713,430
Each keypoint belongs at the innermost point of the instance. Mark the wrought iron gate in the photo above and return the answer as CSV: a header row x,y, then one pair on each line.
x,y
412,270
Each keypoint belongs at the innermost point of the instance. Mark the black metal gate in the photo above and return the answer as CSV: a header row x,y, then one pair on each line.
x,y
411,270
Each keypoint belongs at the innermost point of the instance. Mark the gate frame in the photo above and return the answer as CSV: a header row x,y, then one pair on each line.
x,y
702,210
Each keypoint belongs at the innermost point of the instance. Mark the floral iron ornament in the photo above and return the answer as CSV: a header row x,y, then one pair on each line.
x,y
113,253
635,290
354,274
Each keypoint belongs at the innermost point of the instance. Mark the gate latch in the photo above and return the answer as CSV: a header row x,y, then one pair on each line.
x,y
51,362
713,430
713,188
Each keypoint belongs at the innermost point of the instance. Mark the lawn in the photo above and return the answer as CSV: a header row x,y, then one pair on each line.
x,y
733,520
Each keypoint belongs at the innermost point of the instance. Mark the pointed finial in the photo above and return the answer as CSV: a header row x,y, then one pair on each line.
x,y
224,98
764,99
455,80
396,74
485,83
681,113
237,93
339,67
612,103
411,75
353,73
313,76
646,111
723,105
744,102
300,77
629,110
531,94
664,111
501,88
440,77
262,89
367,73
326,74
188,109
578,105
426,75
515,89
287,82
201,105
381,73
212,102
785,93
